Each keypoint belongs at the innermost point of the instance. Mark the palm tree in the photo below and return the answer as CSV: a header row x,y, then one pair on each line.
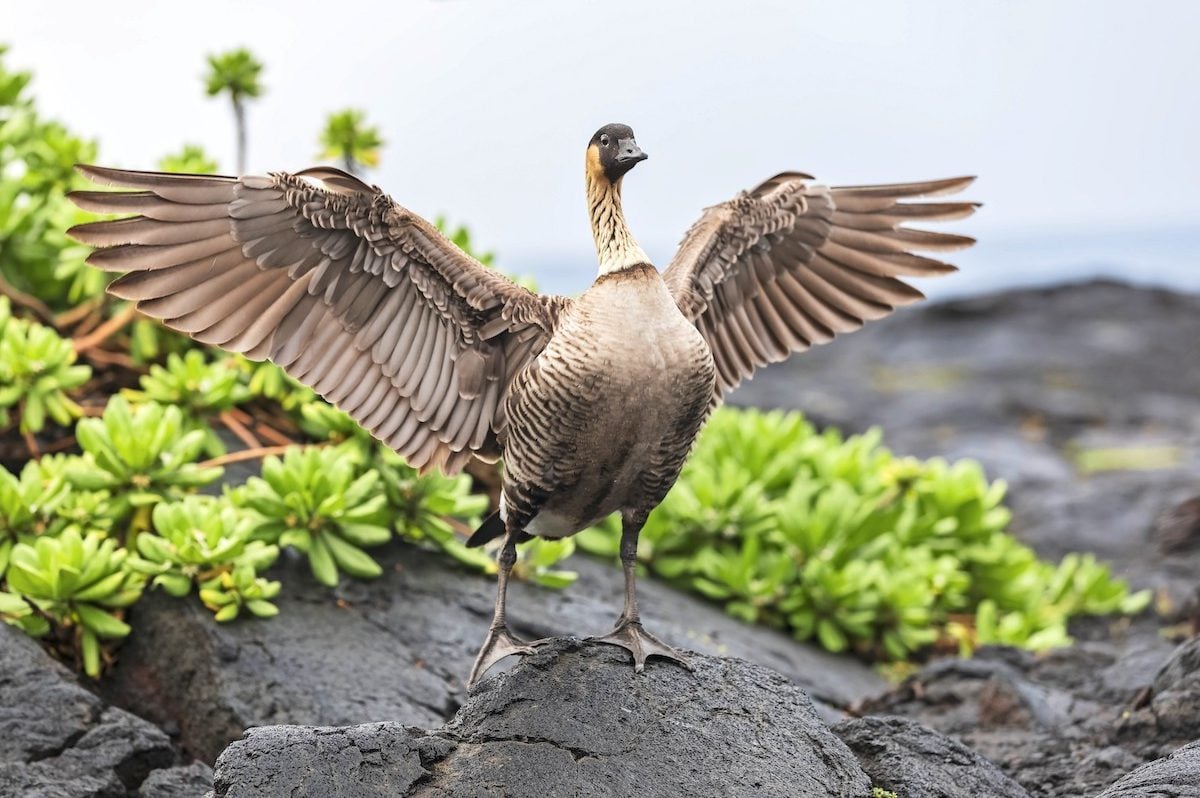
x,y
235,72
348,139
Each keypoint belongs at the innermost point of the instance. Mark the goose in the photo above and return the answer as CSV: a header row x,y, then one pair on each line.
x,y
593,402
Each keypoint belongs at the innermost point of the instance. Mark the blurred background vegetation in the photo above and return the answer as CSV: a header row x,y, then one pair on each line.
x,y
125,449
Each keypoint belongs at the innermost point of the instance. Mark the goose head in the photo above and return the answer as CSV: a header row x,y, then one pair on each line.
x,y
612,152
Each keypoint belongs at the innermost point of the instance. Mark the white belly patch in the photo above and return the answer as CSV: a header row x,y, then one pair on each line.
x,y
545,524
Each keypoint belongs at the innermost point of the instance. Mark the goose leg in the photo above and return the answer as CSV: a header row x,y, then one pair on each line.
x,y
628,633
500,641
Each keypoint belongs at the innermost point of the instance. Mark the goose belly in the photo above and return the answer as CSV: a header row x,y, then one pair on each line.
x,y
620,402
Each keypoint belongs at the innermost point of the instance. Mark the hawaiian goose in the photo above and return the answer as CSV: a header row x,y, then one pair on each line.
x,y
593,402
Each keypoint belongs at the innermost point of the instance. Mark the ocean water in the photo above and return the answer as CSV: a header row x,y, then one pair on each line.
x,y
1164,257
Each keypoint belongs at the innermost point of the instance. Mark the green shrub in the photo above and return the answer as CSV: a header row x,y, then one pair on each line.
x,y
423,506
140,455
325,505
75,583
150,342
194,384
40,502
198,387
267,380
230,591
324,422
206,542
39,158
37,369
836,539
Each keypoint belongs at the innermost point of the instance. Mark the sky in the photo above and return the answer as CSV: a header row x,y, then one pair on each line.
x,y
1080,118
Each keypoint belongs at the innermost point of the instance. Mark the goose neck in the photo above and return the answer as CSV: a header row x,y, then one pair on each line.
x,y
616,247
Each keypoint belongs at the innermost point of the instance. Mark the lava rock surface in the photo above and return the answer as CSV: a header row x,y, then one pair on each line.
x,y
58,740
1064,724
1175,776
572,719
915,761
398,648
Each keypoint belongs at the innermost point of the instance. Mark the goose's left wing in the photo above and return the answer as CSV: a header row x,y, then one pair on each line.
x,y
792,263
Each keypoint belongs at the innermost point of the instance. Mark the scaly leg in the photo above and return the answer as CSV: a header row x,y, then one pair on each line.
x,y
500,641
628,633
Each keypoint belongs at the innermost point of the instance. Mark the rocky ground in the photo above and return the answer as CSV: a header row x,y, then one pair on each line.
x,y
1059,391
398,648
59,739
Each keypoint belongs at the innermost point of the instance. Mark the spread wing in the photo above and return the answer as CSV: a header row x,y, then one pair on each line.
x,y
350,293
791,264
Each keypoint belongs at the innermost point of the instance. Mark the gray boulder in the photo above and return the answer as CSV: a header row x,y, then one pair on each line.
x,y
915,761
1063,724
397,648
183,781
572,719
1176,697
1175,776
57,739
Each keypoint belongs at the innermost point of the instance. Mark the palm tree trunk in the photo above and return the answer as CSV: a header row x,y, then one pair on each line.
x,y
239,118
348,163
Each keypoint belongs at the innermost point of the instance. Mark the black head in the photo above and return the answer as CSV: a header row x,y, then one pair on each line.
x,y
614,151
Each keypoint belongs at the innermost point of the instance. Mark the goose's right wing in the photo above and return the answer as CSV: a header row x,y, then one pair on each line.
x,y
350,293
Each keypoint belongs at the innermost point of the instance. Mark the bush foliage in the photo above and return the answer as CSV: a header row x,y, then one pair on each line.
x,y
830,538
837,539
37,371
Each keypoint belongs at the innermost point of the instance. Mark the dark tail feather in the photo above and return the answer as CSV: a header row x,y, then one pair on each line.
x,y
491,528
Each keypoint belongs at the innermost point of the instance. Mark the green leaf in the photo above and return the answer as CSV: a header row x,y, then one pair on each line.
x,y
830,635
176,585
226,613
365,534
90,653
556,579
102,588
263,609
321,561
350,558
100,622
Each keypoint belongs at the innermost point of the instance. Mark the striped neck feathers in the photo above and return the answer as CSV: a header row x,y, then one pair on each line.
x,y
615,245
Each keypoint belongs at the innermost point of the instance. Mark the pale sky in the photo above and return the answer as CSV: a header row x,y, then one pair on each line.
x,y
1077,116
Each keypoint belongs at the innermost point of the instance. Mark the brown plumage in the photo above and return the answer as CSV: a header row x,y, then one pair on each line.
x,y
349,292
593,403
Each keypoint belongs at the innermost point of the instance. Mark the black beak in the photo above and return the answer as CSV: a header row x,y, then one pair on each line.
x,y
628,152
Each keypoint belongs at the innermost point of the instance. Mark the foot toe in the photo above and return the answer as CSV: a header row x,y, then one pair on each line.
x,y
498,644
641,644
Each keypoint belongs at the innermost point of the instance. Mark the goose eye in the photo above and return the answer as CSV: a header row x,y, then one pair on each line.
x,y
604,141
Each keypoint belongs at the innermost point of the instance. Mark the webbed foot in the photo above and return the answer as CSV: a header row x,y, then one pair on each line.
x,y
499,643
630,636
